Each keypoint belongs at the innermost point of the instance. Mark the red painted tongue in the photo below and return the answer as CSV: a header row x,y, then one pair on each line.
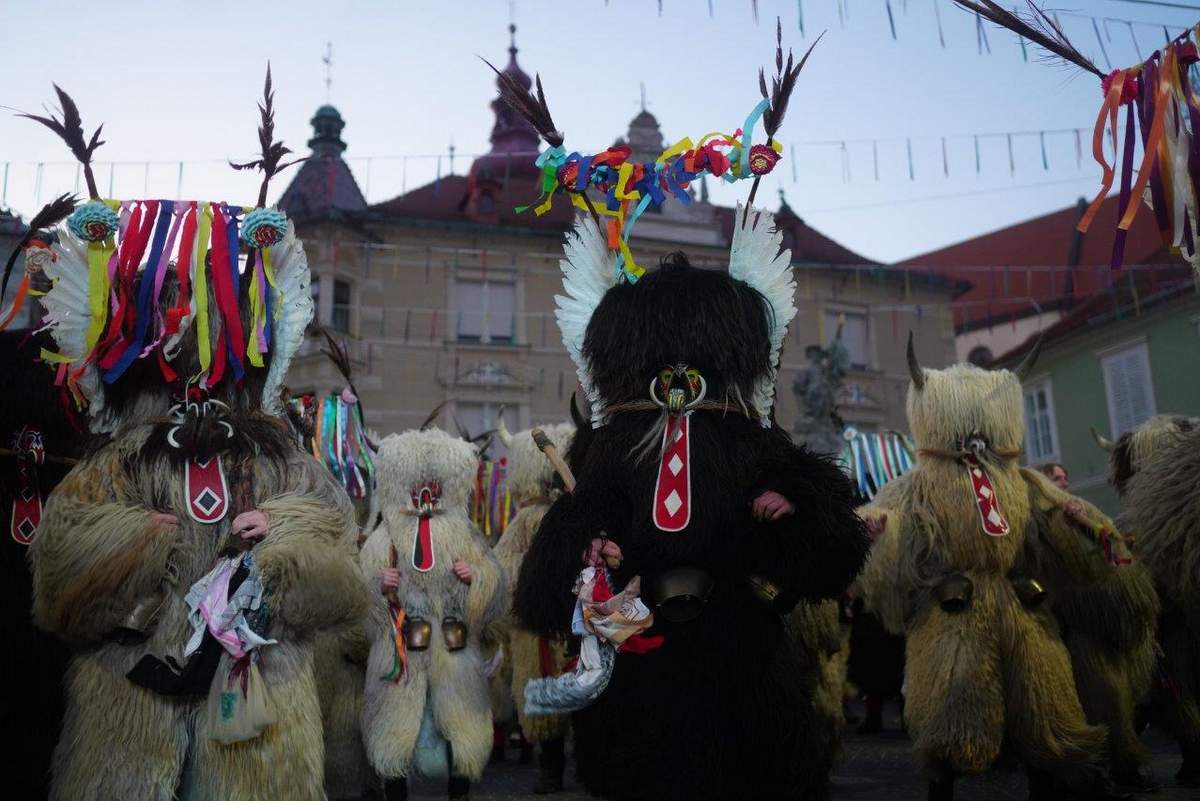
x,y
673,492
206,489
422,556
994,524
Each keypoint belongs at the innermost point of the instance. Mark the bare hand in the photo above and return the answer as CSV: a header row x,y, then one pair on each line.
x,y
390,579
164,521
1074,510
251,526
463,571
771,506
876,526
611,553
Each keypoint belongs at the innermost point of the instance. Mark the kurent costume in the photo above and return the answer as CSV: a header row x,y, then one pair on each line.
x,y
37,444
192,555
973,554
1156,469
427,709
532,485
726,521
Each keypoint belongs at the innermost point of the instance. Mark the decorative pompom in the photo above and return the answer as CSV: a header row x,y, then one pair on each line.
x,y
762,159
94,222
263,228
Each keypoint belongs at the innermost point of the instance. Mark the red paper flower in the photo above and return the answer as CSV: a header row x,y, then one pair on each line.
x,y
265,236
762,159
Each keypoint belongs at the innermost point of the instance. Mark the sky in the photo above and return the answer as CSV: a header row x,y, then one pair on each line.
x,y
178,82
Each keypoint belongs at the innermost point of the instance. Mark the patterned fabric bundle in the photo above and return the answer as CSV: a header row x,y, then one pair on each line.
x,y
874,459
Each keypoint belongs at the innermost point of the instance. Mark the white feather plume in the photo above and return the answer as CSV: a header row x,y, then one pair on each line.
x,y
588,272
68,316
293,310
756,258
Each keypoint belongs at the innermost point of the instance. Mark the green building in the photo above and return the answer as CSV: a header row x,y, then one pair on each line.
x,y
1111,362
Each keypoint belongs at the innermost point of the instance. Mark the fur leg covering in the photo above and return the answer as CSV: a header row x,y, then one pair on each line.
x,y
955,699
132,746
348,774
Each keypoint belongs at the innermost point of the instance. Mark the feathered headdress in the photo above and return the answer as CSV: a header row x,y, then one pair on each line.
x,y
108,309
1160,98
597,253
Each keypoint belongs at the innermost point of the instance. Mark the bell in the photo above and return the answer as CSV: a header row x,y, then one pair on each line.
x,y
681,594
138,623
454,633
1029,591
955,593
417,633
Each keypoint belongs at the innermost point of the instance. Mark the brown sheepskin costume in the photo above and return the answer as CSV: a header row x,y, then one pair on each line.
x,y
984,667
99,554
442,699
1156,468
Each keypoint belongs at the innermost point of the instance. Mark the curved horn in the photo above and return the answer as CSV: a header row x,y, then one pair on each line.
x,y
1022,370
1101,440
502,429
914,367
433,415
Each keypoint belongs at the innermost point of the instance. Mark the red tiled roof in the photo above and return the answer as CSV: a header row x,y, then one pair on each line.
x,y
1127,294
1047,241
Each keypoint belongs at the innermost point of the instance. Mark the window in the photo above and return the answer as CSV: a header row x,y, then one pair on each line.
x,y
1127,384
1041,433
486,311
854,335
339,320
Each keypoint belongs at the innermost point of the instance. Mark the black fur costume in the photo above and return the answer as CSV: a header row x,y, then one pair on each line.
x,y
718,711
33,662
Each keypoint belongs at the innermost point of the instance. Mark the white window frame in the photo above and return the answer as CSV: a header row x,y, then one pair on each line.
x,y
1139,344
486,284
1043,383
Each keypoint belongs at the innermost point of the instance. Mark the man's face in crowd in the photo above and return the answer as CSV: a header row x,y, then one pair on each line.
x,y
1058,475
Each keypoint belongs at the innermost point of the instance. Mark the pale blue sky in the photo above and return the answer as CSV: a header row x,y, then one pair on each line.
x,y
178,81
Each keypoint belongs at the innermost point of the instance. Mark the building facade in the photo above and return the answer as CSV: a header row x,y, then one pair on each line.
x,y
446,295
1111,364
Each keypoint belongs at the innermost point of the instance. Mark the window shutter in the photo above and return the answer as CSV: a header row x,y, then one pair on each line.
x,y
1127,383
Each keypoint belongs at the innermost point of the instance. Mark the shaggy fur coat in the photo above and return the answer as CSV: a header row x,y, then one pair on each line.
x,y
1162,511
531,481
99,553
443,696
996,671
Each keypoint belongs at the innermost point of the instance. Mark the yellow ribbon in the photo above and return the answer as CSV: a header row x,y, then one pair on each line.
x,y
200,288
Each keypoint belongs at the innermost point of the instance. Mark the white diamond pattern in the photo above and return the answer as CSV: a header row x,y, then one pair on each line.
x,y
672,502
675,465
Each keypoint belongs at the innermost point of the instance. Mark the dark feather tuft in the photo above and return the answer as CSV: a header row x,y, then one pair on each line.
x,y
271,159
338,354
1037,27
70,130
532,107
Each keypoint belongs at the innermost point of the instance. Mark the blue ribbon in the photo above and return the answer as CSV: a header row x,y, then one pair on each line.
x,y
234,349
744,158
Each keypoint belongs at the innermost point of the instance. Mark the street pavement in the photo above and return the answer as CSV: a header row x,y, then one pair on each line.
x,y
875,767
